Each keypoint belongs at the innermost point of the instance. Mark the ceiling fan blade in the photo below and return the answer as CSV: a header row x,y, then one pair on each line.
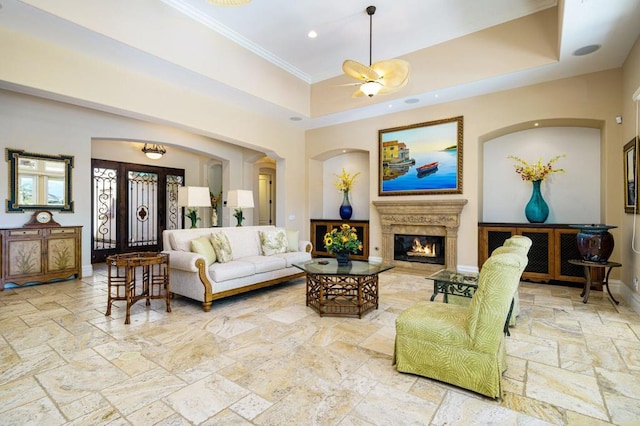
x,y
357,70
392,72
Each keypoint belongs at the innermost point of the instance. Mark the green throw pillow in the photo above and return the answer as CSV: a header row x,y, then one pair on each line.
x,y
292,239
203,246
221,246
274,242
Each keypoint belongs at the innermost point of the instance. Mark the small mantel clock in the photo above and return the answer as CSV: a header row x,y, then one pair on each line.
x,y
41,218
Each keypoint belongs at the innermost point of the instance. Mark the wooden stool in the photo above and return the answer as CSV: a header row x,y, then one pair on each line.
x,y
149,270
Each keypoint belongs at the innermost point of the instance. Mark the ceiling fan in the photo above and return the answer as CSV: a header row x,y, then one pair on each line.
x,y
381,78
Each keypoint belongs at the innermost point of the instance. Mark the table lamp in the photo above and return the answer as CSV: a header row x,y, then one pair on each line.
x,y
240,199
192,197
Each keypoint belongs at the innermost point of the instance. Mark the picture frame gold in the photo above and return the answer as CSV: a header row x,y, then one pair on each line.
x,y
421,159
630,160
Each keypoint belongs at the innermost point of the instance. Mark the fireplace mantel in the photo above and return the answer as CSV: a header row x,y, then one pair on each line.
x,y
421,217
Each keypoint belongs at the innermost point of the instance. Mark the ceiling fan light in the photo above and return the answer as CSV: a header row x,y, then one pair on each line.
x,y
154,152
370,88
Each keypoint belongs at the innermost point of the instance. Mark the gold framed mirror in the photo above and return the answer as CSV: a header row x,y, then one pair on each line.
x,y
39,181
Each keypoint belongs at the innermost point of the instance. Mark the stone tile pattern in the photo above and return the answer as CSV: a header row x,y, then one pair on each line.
x,y
264,358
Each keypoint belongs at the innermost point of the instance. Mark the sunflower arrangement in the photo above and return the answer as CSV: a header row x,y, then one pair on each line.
x,y
343,239
345,180
536,171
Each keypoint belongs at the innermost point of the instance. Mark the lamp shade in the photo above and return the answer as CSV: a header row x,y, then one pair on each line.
x,y
194,196
240,199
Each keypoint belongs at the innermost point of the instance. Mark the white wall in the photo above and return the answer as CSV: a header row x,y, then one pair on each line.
x,y
352,162
573,197
49,127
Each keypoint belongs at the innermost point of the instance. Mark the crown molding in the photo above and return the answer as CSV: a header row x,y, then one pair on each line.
x,y
206,20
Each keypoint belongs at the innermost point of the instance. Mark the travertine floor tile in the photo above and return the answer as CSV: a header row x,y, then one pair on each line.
x,y
266,358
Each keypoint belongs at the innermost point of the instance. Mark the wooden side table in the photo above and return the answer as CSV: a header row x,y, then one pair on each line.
x,y
587,274
135,276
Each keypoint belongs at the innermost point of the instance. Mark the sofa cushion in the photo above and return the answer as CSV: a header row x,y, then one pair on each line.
x,y
203,246
266,263
233,269
294,257
221,245
181,241
292,240
244,241
273,241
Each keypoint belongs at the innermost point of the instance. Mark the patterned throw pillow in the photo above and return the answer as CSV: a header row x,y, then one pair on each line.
x,y
274,241
221,246
203,246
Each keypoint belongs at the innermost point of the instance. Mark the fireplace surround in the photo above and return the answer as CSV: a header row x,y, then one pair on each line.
x,y
421,217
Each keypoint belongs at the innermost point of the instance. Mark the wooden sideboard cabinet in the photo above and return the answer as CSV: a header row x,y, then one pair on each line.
x,y
319,227
38,255
553,246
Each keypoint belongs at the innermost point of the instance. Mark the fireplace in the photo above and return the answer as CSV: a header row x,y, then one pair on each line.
x,y
419,248
426,219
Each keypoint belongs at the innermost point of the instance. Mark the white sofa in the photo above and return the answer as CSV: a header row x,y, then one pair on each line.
x,y
248,269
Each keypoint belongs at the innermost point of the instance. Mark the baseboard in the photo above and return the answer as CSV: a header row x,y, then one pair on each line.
x,y
625,293
87,270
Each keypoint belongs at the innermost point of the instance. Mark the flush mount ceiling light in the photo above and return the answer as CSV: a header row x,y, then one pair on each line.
x,y
380,78
154,151
228,2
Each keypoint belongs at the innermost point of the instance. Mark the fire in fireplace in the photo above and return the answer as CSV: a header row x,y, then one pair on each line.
x,y
419,248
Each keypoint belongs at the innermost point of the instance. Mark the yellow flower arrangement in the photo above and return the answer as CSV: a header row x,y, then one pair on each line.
x,y
345,180
536,171
343,239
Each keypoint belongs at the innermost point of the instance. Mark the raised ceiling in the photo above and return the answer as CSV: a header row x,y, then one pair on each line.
x,y
258,56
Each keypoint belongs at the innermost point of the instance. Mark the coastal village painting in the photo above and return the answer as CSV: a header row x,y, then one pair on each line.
x,y
424,158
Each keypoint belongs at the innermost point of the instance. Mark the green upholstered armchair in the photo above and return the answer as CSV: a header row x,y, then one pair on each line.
x,y
519,244
462,345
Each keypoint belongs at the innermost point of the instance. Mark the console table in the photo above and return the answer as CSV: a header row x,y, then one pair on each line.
x,y
135,276
39,254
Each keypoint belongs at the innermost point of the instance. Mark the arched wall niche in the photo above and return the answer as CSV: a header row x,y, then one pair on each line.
x,y
573,197
324,197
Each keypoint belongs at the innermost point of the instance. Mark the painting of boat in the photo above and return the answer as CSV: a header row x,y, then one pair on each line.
x,y
426,169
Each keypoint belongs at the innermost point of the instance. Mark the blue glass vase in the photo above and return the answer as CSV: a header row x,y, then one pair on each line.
x,y
537,209
345,208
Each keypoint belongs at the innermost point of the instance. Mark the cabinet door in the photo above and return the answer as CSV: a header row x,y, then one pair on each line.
x,y
363,233
318,229
541,255
567,248
489,239
24,258
61,254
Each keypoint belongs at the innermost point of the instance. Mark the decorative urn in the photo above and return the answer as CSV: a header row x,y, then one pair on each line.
x,y
595,242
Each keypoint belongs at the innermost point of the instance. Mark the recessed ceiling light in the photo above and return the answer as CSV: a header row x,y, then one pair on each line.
x,y
412,101
312,34
295,118
586,50
536,124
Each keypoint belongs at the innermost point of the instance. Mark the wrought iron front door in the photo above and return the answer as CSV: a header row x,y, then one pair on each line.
x,y
132,205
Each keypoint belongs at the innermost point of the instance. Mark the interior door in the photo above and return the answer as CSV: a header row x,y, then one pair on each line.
x,y
132,205
266,195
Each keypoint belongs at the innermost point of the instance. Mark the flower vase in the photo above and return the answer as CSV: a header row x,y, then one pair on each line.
x,y
343,258
537,209
214,217
345,208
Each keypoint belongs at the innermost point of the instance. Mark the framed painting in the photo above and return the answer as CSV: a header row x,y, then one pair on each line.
x,y
423,158
630,159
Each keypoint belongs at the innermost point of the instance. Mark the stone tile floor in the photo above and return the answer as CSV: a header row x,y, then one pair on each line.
x,y
264,358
